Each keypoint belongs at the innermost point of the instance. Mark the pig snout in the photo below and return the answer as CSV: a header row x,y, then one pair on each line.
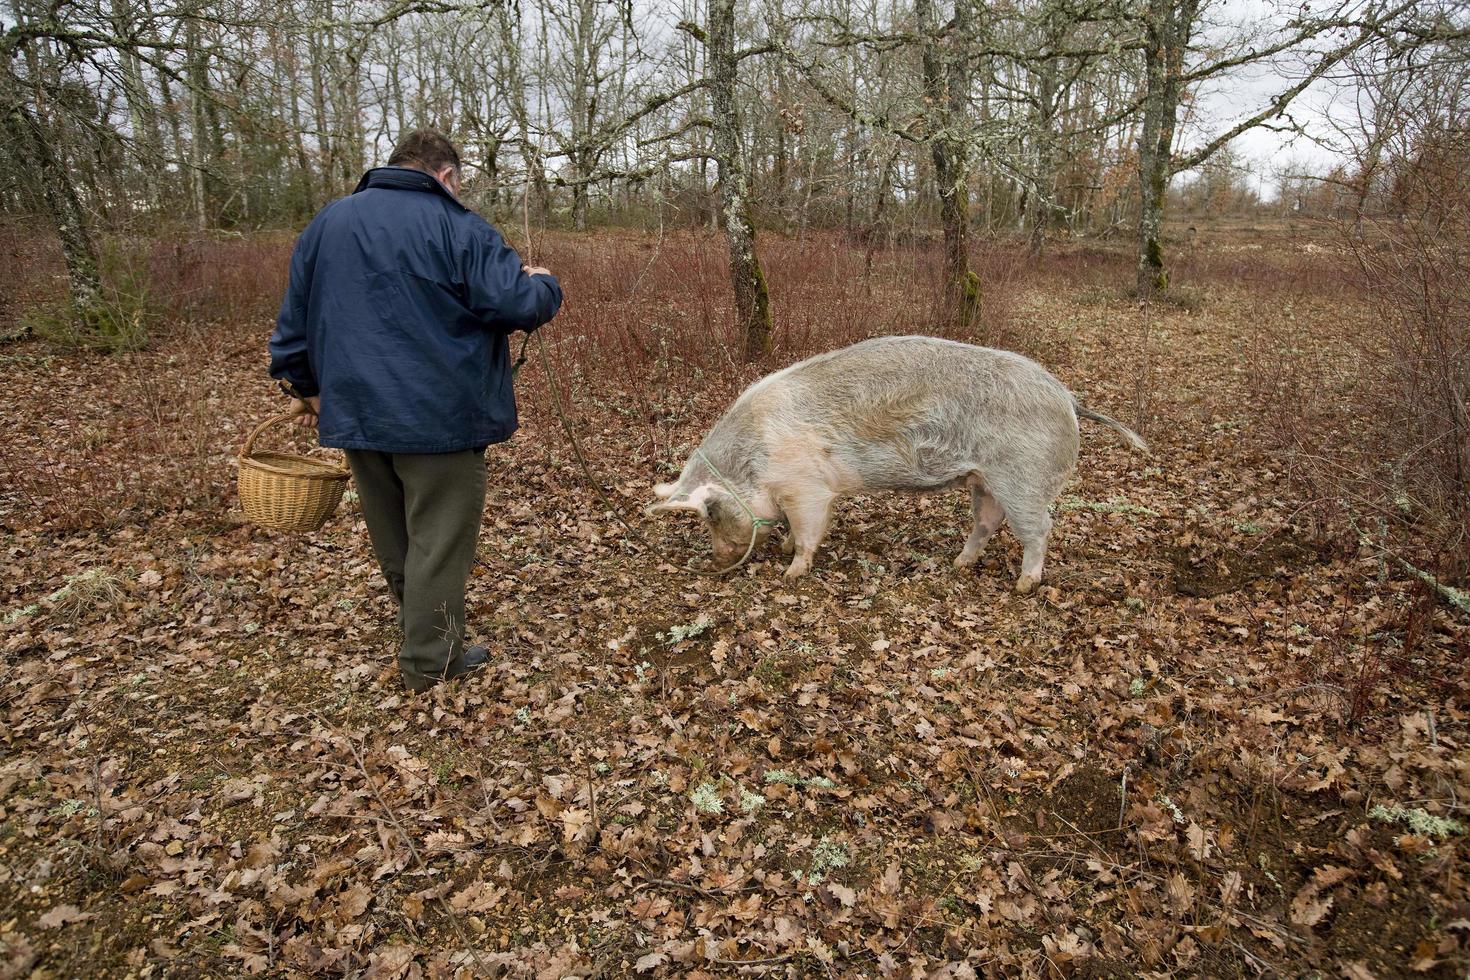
x,y
727,553
731,544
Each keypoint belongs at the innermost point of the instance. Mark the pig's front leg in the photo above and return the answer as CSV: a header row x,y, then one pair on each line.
x,y
809,513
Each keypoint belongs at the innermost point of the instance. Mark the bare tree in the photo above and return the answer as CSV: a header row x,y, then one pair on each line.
x,y
1169,27
947,76
752,301
37,154
1011,118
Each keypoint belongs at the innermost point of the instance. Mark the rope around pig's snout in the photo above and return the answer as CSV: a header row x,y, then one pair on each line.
x,y
756,523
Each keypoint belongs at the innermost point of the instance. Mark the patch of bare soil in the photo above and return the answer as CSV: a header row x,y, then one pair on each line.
x,y
1206,574
1088,801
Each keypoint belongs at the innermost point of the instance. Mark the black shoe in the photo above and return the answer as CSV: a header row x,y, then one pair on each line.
x,y
474,658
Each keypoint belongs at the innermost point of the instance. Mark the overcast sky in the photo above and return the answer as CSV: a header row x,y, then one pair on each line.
x,y
1245,91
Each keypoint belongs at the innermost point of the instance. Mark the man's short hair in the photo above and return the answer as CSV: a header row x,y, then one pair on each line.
x,y
425,149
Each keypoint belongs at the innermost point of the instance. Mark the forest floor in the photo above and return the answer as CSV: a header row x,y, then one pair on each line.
x,y
1223,739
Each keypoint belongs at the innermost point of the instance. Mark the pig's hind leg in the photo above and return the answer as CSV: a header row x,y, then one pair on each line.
x,y
1027,513
988,517
1032,526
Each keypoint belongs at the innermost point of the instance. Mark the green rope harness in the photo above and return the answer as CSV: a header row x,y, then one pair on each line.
x,y
755,522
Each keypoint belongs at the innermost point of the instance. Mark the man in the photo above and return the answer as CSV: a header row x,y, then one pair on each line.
x,y
394,336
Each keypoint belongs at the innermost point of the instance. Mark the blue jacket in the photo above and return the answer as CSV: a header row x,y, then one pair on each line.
x,y
398,313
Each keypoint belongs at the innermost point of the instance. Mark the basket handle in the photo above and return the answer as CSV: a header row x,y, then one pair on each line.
x,y
250,439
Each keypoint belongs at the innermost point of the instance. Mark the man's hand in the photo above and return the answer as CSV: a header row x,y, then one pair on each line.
x,y
535,270
307,410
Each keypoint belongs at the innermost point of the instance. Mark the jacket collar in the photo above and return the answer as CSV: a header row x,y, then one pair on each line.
x,y
405,179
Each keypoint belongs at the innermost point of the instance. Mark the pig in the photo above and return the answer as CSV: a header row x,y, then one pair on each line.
x,y
891,413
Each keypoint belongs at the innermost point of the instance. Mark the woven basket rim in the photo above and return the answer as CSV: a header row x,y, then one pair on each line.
x,y
301,467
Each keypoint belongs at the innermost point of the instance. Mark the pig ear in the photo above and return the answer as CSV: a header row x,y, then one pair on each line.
x,y
696,500
663,491
714,508
665,506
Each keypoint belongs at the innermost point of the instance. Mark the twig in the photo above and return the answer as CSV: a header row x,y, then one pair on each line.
x,y
1261,965
1288,691
1270,926
683,885
1455,597
1082,833
592,802
1036,893
768,961
489,805
1123,799
566,425
1146,369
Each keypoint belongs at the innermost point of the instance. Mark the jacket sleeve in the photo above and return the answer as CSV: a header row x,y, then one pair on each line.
x,y
499,291
289,360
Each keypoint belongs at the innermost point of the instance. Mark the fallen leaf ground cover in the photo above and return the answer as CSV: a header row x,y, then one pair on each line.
x,y
1222,740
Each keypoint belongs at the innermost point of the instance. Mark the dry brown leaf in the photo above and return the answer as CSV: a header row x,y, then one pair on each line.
x,y
61,915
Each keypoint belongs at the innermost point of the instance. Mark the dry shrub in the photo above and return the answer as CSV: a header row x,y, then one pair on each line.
x,y
198,279
31,273
648,315
646,338
174,279
1376,421
1312,265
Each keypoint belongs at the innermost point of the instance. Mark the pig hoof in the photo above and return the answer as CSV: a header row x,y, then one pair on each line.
x,y
965,559
1026,583
797,570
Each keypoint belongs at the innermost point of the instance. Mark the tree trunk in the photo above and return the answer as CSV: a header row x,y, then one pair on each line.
x,y
752,301
326,138
147,135
1043,194
946,76
350,118
579,204
198,76
65,209
779,177
1167,26
298,141
173,117
520,110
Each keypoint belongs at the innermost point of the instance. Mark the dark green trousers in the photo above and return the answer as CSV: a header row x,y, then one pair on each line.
x,y
423,514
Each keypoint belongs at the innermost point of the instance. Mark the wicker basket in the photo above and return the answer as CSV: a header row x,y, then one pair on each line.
x,y
288,491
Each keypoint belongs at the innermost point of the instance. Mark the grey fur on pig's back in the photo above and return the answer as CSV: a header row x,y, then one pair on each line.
x,y
909,413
